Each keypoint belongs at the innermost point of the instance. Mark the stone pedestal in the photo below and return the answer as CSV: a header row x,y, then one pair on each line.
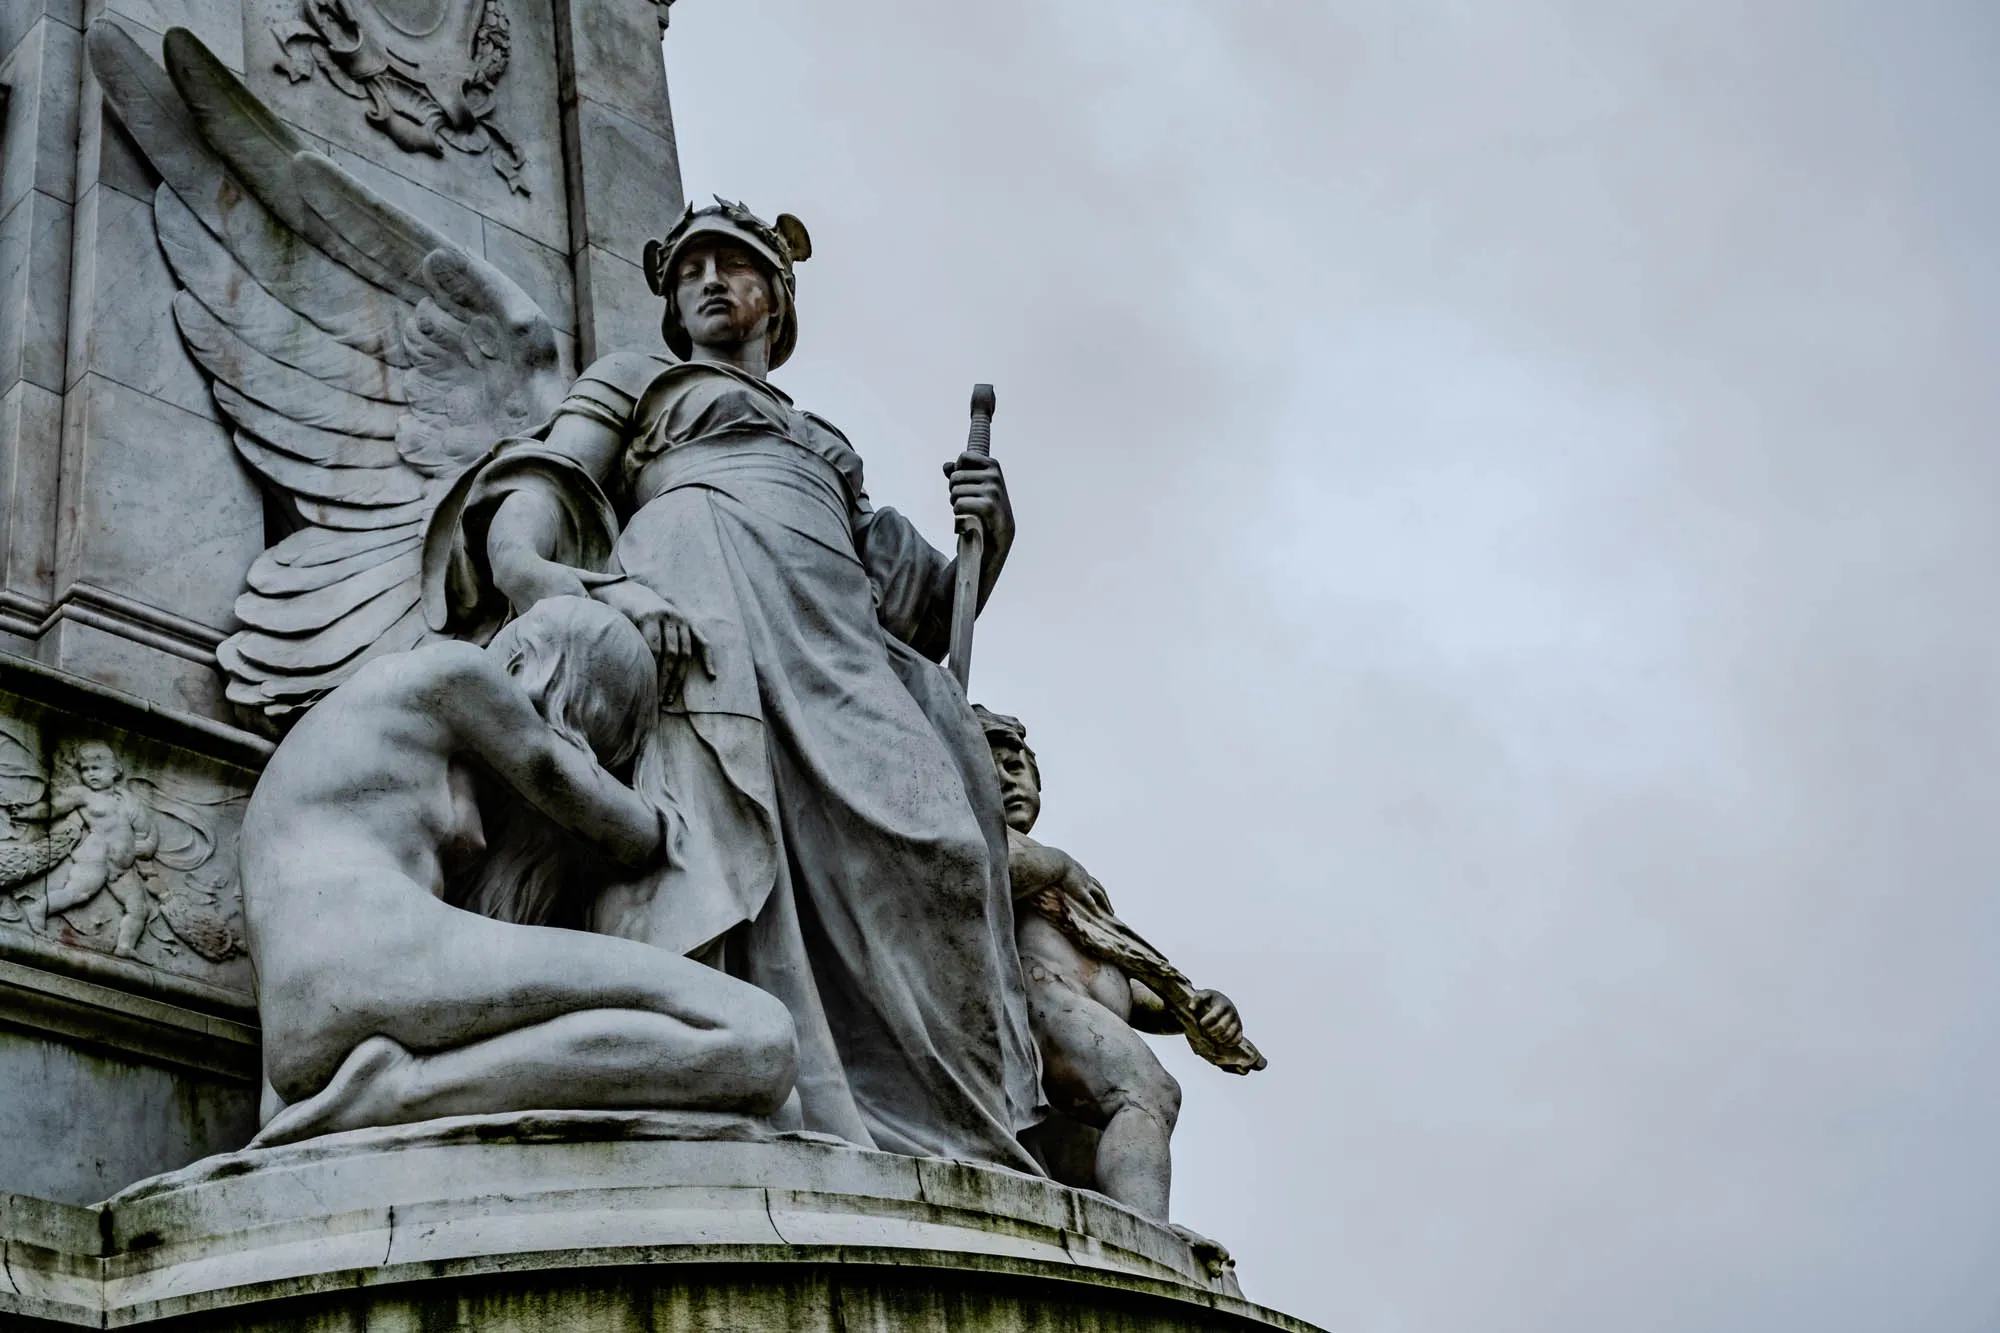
x,y
593,1222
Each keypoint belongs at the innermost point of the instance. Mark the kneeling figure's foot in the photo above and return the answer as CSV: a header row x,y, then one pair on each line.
x,y
363,1092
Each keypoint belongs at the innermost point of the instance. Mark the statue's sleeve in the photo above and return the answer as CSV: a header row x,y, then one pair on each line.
x,y
610,390
459,594
911,578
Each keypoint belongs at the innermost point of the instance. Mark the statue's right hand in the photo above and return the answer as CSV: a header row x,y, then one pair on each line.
x,y
675,642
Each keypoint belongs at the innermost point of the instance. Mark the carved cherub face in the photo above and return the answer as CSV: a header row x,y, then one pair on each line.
x,y
98,767
722,294
1020,786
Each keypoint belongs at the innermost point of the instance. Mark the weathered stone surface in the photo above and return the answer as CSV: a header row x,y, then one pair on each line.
x,y
618,169
34,290
429,89
624,168
544,274
18,18
130,457
615,312
132,656
40,131
30,452
219,23
122,312
78,1124
500,1224
613,60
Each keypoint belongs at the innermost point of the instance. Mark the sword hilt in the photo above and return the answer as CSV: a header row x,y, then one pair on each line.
x,y
979,440
971,544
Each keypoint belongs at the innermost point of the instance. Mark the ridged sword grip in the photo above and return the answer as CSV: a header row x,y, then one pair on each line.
x,y
979,440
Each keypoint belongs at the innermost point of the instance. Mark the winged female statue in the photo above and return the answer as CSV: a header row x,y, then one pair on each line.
x,y
835,826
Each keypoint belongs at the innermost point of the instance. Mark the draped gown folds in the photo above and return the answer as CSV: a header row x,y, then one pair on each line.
x,y
836,835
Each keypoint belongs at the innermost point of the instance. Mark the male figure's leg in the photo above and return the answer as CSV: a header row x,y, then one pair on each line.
x,y
1096,1068
129,892
86,879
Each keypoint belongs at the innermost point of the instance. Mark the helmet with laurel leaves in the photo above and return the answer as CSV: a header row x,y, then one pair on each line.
x,y
776,246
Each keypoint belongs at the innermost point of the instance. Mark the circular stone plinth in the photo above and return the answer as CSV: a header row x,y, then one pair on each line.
x,y
629,1221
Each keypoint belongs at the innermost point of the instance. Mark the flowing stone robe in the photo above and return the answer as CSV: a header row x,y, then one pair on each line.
x,y
836,835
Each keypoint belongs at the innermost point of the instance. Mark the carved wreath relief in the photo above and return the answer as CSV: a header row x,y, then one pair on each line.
x,y
97,856
428,69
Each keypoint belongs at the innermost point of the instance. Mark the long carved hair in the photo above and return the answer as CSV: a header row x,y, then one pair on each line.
x,y
532,872
599,689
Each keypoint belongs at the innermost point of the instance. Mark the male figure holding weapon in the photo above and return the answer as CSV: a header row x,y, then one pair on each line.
x,y
1093,985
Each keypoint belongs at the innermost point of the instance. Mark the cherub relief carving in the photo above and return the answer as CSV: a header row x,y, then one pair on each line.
x,y
428,69
98,832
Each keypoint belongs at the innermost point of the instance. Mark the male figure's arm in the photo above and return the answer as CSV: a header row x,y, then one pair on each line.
x,y
1036,868
1033,867
494,720
1149,1012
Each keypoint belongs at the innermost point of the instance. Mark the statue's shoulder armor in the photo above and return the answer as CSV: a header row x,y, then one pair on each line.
x,y
628,373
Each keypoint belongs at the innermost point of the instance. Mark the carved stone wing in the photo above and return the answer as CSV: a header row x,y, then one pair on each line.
x,y
364,360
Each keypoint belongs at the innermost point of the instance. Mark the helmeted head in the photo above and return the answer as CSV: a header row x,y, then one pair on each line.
x,y
731,247
97,764
1014,761
589,672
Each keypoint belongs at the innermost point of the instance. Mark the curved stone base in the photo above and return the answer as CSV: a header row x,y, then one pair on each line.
x,y
610,1222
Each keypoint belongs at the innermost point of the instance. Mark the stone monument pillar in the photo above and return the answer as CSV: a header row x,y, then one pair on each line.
x,y
486,838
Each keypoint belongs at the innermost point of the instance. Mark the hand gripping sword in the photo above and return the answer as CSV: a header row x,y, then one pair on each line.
x,y
971,545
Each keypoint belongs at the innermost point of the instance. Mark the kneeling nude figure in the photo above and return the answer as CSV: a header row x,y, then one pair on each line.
x,y
383,1005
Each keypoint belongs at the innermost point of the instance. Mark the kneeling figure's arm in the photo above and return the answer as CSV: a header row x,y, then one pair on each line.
x,y
495,720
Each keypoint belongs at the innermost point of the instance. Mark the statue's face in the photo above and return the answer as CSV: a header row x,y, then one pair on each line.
x,y
722,294
1020,790
97,767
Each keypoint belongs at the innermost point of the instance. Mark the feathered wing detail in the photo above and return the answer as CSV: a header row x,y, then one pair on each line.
x,y
364,360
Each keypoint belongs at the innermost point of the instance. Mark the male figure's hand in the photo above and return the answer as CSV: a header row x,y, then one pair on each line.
x,y
673,640
1216,1013
979,495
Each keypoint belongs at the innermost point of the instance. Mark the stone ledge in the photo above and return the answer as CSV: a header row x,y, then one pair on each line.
x,y
360,1229
61,689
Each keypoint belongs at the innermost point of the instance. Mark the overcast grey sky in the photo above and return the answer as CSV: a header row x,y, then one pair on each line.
x,y
1508,501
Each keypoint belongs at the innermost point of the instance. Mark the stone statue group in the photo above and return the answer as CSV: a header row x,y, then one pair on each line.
x,y
620,770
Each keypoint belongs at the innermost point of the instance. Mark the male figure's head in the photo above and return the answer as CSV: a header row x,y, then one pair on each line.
x,y
588,672
98,766
1014,760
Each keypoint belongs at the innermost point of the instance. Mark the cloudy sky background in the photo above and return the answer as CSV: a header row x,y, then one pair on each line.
x,y
1508,501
